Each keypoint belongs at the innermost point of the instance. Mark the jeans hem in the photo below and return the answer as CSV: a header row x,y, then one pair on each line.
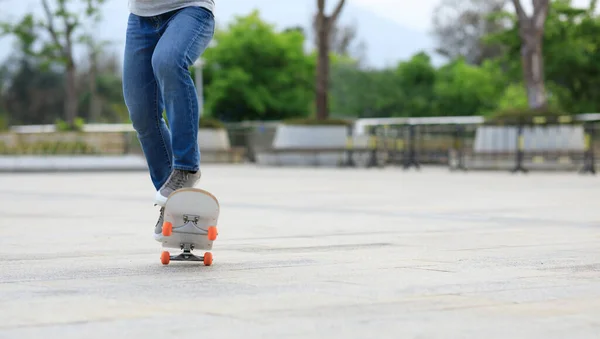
x,y
186,168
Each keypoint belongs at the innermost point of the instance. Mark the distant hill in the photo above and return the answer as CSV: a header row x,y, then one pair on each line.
x,y
387,42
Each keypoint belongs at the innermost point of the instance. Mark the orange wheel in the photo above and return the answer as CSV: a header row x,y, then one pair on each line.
x,y
165,257
208,259
212,233
167,229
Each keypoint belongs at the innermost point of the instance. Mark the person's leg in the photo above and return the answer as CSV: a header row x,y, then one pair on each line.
x,y
187,35
143,98
144,101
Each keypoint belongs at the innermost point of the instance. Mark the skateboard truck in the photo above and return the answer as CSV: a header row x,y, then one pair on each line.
x,y
186,255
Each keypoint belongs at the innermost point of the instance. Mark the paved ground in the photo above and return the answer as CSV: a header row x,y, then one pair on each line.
x,y
306,254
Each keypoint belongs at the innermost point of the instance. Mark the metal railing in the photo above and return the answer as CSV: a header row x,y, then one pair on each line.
x,y
460,143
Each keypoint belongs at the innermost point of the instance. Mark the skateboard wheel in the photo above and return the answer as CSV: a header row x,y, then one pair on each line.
x,y
208,259
212,233
167,229
165,257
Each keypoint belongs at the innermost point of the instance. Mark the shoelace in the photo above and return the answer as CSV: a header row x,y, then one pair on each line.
x,y
177,180
159,222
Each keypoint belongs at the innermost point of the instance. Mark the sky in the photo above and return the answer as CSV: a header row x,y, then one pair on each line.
x,y
415,14
412,16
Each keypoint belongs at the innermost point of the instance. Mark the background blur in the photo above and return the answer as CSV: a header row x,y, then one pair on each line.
x,y
409,83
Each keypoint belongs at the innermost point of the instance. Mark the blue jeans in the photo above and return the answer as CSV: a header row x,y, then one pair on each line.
x,y
158,53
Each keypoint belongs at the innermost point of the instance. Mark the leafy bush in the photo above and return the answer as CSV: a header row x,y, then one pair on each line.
x,y
63,126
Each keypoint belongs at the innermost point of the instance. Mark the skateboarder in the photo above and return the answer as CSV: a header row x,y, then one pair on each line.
x,y
163,39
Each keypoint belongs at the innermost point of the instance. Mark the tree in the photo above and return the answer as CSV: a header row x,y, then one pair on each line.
x,y
531,32
324,25
96,55
4,78
53,39
33,94
102,99
593,6
417,77
256,73
464,89
570,53
460,26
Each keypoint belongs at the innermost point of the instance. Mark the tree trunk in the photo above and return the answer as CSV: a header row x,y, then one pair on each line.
x,y
533,72
94,98
322,69
324,24
531,31
71,94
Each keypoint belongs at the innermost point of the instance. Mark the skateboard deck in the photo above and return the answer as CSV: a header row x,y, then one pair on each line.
x,y
190,223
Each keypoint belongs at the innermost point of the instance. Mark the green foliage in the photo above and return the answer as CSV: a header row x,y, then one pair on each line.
x,y
416,88
406,90
363,93
463,89
570,50
571,53
417,77
63,126
515,97
256,73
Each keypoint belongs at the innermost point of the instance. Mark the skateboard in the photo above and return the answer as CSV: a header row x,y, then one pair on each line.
x,y
190,223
